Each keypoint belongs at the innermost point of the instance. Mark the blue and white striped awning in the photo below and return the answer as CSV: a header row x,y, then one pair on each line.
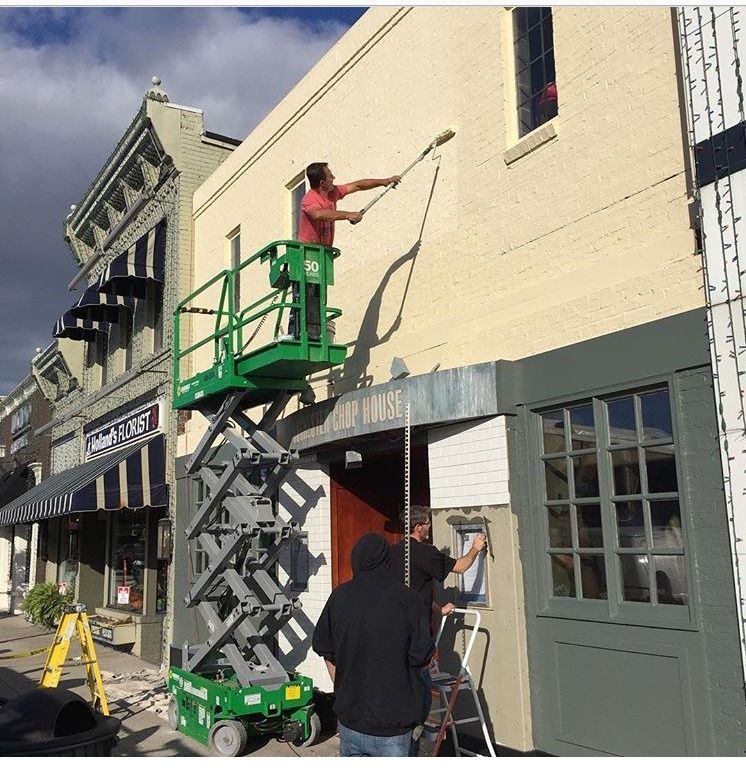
x,y
129,273
68,326
129,478
97,306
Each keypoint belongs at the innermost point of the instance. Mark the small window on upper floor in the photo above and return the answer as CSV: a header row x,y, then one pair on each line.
x,y
102,355
536,86
126,334
297,191
234,248
155,301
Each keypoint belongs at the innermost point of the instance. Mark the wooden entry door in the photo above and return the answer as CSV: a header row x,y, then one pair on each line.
x,y
368,500
352,517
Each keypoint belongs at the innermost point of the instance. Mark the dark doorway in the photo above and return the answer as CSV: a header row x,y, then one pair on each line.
x,y
369,499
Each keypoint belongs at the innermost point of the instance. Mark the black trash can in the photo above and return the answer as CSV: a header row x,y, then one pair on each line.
x,y
55,722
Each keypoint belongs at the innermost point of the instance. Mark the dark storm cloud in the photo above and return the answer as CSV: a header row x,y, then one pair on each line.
x,y
71,80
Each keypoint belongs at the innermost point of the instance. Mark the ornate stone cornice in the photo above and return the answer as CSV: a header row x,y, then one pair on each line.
x,y
134,168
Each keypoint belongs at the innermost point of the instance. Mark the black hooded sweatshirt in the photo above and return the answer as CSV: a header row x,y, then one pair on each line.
x,y
377,633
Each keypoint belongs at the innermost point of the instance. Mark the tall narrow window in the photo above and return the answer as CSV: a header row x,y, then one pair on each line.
x,y
297,191
234,243
155,293
536,85
102,354
126,324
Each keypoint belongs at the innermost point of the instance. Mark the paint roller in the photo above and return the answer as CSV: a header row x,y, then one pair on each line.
x,y
441,139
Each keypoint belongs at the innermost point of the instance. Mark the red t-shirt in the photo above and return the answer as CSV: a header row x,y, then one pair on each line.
x,y
318,231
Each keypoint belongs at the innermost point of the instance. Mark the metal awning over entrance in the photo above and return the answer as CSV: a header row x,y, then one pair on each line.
x,y
125,479
128,274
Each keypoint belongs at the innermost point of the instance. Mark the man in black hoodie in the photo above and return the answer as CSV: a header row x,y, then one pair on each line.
x,y
374,635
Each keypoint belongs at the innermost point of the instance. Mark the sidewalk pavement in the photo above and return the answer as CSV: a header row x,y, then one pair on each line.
x,y
135,690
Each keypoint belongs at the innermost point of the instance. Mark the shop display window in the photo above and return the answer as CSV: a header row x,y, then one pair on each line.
x,y
69,556
127,561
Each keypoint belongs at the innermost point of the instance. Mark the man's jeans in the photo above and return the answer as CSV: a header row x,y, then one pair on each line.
x,y
352,743
427,703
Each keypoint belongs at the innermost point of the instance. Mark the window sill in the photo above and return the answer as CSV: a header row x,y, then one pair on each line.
x,y
525,145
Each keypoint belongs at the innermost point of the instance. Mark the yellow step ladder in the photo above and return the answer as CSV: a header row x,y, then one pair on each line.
x,y
75,620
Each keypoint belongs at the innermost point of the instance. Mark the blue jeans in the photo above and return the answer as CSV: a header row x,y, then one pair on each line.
x,y
427,703
352,743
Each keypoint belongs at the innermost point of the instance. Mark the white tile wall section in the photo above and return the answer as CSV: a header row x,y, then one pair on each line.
x,y
304,496
469,464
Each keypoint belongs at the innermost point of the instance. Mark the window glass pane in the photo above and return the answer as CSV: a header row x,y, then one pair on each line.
x,y
593,576
670,579
656,416
665,520
157,296
585,470
626,472
127,563
589,525
533,17
537,74
547,30
235,253
551,81
661,468
582,429
161,588
556,477
560,532
621,414
520,17
554,431
630,524
635,582
563,575
296,198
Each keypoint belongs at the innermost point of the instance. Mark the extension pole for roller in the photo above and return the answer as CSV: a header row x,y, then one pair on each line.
x,y
442,138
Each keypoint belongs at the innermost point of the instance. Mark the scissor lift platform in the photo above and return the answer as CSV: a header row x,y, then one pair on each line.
x,y
231,684
281,365
278,366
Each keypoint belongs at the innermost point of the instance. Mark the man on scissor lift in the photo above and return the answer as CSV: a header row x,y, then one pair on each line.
x,y
318,213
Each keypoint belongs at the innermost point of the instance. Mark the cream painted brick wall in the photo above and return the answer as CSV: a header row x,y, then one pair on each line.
x,y
469,464
587,234
304,497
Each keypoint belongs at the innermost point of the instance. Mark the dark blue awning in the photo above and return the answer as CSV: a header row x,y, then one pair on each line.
x,y
68,326
97,306
128,478
129,273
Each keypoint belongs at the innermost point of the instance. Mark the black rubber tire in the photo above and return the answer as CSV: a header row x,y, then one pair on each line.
x,y
173,713
314,723
228,738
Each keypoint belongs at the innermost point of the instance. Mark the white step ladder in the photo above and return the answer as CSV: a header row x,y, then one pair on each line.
x,y
447,688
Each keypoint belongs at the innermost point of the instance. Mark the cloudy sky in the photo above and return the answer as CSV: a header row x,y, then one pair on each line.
x,y
71,80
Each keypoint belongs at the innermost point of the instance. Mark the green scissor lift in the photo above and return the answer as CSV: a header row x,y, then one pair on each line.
x,y
231,685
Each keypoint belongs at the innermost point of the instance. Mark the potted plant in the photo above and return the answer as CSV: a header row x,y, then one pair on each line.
x,y
44,604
